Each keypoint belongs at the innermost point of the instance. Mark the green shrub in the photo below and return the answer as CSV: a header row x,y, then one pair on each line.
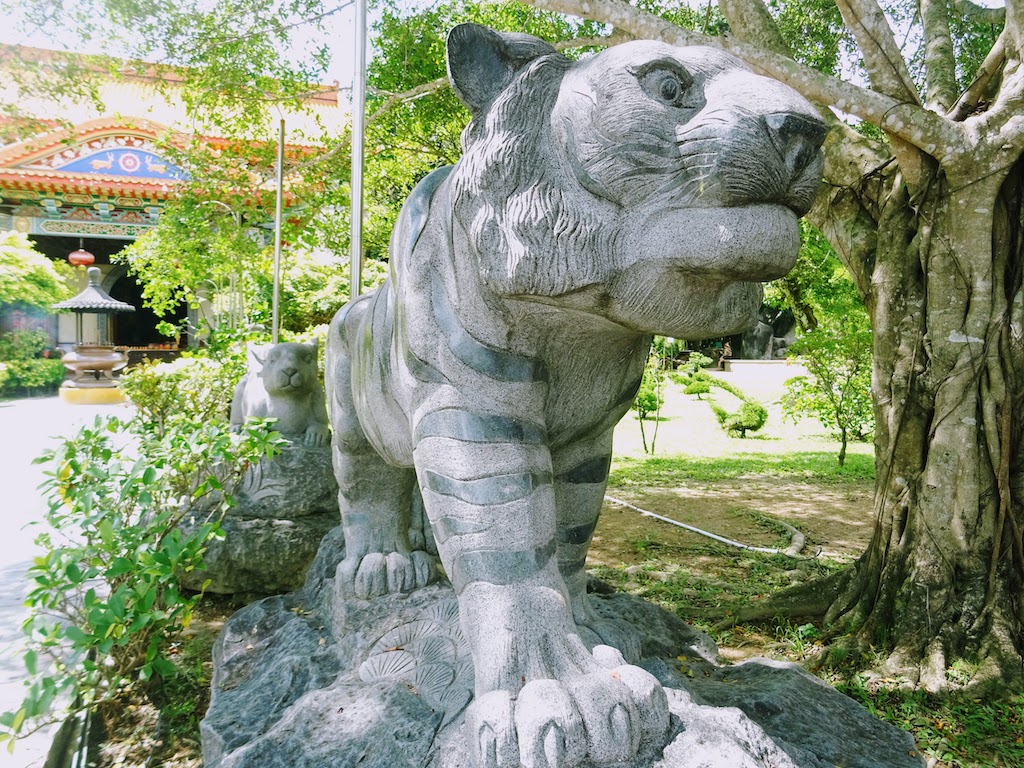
x,y
197,387
749,418
650,397
28,367
697,360
838,390
104,604
33,375
697,387
24,345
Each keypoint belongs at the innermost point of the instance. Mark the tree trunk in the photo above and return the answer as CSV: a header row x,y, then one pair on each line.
x,y
940,585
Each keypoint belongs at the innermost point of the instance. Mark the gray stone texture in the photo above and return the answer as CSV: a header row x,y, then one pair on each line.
x,y
283,383
307,680
284,506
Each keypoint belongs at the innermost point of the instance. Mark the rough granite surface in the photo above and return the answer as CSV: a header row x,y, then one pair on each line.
x,y
309,680
283,508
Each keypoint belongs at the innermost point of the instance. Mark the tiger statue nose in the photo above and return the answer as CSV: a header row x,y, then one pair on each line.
x,y
797,138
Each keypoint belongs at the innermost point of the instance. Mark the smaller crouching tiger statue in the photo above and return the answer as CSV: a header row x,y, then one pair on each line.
x,y
647,189
283,384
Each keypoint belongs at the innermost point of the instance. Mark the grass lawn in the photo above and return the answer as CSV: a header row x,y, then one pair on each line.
x,y
743,490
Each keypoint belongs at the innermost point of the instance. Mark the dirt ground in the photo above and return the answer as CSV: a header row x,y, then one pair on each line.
x,y
836,521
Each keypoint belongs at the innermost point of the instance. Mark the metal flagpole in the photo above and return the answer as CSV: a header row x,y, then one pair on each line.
x,y
275,314
358,133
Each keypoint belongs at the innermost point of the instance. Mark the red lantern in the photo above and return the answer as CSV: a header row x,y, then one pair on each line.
x,y
81,257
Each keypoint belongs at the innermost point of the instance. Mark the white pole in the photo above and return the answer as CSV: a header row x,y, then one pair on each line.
x,y
358,138
275,315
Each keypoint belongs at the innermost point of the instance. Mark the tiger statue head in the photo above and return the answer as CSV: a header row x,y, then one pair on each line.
x,y
656,186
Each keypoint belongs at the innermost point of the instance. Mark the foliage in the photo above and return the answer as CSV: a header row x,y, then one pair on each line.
x,y
956,731
697,360
198,387
25,344
30,376
27,276
671,351
196,247
697,387
423,132
749,417
316,285
838,390
819,288
104,603
649,398
28,363
814,31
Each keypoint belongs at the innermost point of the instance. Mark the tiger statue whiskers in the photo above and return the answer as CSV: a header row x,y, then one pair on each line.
x,y
644,189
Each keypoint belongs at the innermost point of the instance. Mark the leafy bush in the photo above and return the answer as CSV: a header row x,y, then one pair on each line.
x,y
697,387
750,416
27,363
650,397
27,277
31,376
198,387
104,605
697,360
25,345
838,390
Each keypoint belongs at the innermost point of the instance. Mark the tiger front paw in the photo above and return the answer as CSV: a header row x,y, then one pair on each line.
x,y
376,574
603,717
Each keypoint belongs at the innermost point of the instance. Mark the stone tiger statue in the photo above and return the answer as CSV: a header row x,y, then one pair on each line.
x,y
644,189
283,383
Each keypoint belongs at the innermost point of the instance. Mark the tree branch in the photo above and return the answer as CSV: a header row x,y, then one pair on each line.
x,y
979,13
750,20
922,128
989,69
939,58
882,57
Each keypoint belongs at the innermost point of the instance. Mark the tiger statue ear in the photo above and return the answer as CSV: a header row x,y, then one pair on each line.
x,y
482,62
256,354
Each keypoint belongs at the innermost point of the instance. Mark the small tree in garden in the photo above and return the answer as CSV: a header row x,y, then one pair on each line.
x,y
104,605
649,399
838,390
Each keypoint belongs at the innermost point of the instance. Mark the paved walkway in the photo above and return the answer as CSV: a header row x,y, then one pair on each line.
x,y
27,427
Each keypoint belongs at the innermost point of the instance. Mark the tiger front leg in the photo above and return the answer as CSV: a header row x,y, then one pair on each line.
x,y
542,698
375,499
581,474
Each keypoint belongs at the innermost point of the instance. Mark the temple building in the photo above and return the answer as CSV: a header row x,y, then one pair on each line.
x,y
103,182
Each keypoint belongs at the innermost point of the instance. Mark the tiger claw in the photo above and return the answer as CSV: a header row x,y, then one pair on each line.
x,y
492,732
376,574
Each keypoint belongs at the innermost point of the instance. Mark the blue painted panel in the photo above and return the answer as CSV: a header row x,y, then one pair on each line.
x,y
124,162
